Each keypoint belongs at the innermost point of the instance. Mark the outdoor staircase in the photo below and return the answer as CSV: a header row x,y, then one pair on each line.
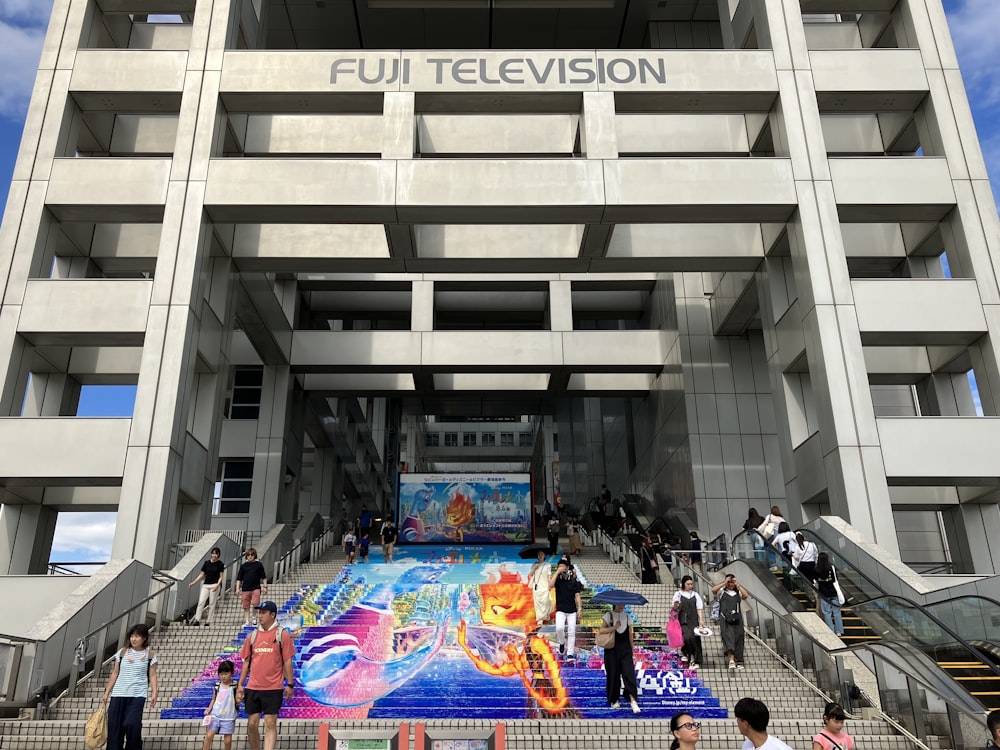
x,y
189,655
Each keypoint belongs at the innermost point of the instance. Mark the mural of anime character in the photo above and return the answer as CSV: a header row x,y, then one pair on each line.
x,y
459,511
412,528
506,644
365,658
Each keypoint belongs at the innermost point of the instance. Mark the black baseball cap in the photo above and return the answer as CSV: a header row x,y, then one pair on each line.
x,y
269,606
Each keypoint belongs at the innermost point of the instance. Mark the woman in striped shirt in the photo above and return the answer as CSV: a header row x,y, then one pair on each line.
x,y
131,680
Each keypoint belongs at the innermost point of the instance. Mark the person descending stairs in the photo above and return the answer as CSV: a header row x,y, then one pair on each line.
x,y
452,687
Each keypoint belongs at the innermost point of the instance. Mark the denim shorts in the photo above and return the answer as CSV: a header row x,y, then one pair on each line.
x,y
221,726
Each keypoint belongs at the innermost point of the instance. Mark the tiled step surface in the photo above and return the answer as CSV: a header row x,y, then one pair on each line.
x,y
795,709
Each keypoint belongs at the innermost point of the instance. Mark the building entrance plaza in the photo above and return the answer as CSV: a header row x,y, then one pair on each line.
x,y
713,253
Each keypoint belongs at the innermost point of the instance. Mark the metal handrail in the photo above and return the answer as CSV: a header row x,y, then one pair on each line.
x,y
807,533
827,698
854,569
62,568
811,589
80,652
833,653
293,558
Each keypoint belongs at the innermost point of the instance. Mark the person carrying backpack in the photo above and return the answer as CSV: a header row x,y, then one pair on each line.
x,y
267,665
220,716
131,680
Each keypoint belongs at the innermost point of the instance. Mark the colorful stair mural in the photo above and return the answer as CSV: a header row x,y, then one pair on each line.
x,y
447,633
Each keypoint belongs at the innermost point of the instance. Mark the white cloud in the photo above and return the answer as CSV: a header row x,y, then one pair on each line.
x,y
26,12
974,25
20,48
83,537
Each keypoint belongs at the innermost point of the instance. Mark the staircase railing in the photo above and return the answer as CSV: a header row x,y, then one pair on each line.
x,y
920,705
972,618
297,554
137,612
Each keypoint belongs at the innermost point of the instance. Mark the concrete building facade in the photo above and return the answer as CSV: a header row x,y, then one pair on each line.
x,y
716,253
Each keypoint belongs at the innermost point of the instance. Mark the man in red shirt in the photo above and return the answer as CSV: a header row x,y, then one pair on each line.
x,y
264,671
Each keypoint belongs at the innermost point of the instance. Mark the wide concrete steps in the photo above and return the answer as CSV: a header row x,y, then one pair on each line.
x,y
185,652
521,734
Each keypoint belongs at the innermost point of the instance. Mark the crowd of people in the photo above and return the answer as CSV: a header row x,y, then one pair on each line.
x,y
752,719
267,678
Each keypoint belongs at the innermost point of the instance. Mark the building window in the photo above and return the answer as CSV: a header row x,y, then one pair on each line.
x,y
506,439
232,493
489,438
451,439
247,386
432,439
525,439
469,439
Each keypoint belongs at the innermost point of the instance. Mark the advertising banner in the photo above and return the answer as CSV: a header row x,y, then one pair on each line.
x,y
465,508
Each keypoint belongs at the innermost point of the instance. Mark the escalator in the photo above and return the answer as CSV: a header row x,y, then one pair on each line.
x,y
977,678
959,634
855,630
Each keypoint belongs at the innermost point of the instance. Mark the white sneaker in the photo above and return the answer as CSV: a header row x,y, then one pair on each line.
x,y
740,668
732,664
693,665
614,705
635,707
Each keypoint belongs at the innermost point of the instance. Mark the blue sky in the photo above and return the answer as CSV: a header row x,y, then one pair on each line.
x,y
974,26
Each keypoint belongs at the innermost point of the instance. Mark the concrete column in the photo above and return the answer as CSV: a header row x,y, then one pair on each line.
x,y
422,306
598,138
26,533
560,305
148,509
847,458
51,395
971,531
269,451
399,136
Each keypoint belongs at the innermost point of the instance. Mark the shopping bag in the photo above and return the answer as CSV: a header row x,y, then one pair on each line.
x,y
675,636
95,731
604,639
841,599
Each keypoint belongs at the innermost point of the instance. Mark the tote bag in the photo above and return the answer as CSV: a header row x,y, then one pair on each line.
x,y
766,529
95,731
675,636
841,599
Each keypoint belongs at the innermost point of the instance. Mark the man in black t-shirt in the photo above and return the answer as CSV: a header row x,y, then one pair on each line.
x,y
251,585
389,534
212,575
568,604
364,522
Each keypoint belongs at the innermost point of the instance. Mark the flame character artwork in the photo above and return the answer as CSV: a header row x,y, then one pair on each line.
x,y
506,645
458,512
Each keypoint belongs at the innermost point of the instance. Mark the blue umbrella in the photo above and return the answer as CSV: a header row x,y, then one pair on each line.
x,y
618,596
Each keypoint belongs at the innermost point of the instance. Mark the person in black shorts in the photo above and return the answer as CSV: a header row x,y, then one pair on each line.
x,y
389,534
364,521
266,676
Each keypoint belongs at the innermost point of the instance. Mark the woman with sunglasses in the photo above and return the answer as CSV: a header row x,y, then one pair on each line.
x,y
686,731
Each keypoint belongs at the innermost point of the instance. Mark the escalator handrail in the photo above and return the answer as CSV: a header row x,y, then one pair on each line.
x,y
810,533
828,549
846,649
977,656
